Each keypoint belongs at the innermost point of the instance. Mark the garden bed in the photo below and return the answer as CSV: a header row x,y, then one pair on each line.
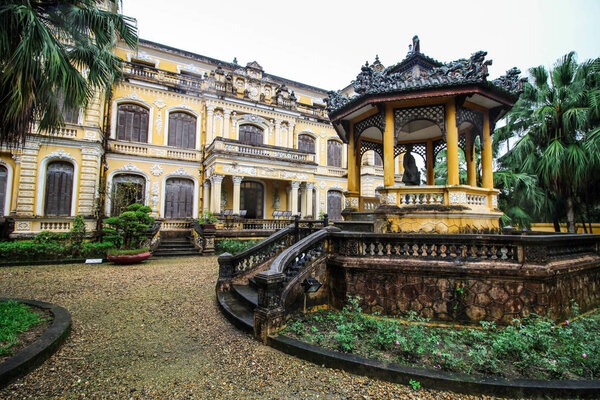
x,y
535,348
20,326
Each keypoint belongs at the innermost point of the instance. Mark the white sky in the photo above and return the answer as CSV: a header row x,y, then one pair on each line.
x,y
324,43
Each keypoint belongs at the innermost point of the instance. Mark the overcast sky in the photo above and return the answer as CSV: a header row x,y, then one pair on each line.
x,y
324,43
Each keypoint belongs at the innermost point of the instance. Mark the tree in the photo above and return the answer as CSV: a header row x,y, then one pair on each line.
x,y
556,119
54,55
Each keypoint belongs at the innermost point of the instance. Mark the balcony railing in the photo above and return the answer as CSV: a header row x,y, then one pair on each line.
x,y
263,151
473,197
154,150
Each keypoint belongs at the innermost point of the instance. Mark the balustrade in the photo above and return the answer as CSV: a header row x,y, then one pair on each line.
x,y
476,199
55,226
268,151
421,198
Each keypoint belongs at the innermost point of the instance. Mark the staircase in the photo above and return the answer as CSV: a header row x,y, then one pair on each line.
x,y
238,305
176,246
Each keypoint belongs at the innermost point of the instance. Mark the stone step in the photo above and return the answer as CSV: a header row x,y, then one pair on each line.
x,y
248,294
165,253
175,245
236,311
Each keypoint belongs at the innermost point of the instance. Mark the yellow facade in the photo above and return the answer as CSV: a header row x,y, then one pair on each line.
x,y
222,99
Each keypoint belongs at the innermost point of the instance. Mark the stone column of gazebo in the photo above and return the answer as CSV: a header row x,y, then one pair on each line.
x,y
422,107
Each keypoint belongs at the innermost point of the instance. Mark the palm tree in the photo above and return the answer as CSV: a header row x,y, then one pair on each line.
x,y
557,116
53,52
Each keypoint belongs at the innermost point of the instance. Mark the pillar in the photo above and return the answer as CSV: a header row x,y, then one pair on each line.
x,y
430,163
295,186
278,139
226,123
471,166
206,197
215,205
487,173
308,190
210,112
452,143
237,180
303,194
388,147
353,167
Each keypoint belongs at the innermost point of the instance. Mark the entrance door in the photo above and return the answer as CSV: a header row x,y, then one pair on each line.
x,y
334,205
3,176
179,198
251,199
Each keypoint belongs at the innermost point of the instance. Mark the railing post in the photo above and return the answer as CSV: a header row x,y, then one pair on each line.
x,y
208,241
268,315
296,228
225,272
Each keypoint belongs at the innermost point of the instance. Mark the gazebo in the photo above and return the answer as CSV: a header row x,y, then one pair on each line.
x,y
422,106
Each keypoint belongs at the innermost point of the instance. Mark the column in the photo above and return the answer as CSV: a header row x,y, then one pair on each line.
x,y
430,164
471,167
215,205
210,112
309,204
206,197
237,180
452,143
487,173
226,123
278,138
388,147
303,192
289,199
353,171
295,186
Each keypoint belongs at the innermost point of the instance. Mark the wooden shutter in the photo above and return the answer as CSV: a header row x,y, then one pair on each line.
x,y
334,153
132,123
3,182
306,143
251,134
59,189
179,198
334,205
182,130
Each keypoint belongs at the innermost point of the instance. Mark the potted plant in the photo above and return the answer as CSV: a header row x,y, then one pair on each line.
x,y
208,220
128,231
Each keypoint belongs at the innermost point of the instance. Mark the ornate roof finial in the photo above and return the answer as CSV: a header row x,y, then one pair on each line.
x,y
235,60
416,46
377,65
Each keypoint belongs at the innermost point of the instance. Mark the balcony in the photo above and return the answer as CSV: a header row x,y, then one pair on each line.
x,y
146,149
231,146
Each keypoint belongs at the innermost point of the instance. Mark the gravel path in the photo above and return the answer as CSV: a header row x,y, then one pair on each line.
x,y
154,331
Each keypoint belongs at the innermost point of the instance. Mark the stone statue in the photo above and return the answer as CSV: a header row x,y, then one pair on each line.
x,y
412,176
416,47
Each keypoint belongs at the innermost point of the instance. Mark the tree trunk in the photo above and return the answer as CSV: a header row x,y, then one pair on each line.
x,y
570,215
556,225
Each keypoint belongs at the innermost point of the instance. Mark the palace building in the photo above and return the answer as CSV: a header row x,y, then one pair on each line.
x,y
183,133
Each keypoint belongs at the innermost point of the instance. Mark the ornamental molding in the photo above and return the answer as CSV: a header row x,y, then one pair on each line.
x,y
156,170
180,172
160,104
235,170
133,96
183,106
23,226
351,202
216,179
155,188
494,201
130,168
293,175
388,199
295,184
61,155
322,185
237,179
457,198
337,186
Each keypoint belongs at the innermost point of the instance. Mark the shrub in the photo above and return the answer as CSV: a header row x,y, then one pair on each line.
x,y
96,249
28,251
234,246
129,229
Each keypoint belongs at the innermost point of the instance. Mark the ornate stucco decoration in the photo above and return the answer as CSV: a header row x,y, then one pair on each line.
x,y
180,172
129,168
156,170
240,170
133,96
60,154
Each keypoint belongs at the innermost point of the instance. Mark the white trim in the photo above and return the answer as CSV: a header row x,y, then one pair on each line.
x,y
186,109
128,169
59,155
142,56
8,194
180,173
133,99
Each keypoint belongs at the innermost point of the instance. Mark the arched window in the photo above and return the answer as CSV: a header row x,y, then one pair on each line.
x,y
3,185
251,134
306,143
127,189
334,205
70,115
334,153
377,159
179,198
251,199
132,123
182,130
59,189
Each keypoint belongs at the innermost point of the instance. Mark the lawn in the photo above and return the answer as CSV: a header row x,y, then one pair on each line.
x,y
15,319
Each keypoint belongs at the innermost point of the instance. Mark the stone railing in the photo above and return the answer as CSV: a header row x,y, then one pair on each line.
x,y
263,151
473,197
175,225
154,150
29,226
368,203
254,224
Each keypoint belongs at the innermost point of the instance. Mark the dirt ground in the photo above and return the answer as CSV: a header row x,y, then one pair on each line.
x,y
154,331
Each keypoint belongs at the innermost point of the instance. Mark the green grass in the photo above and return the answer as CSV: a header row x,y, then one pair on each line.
x,y
534,348
15,318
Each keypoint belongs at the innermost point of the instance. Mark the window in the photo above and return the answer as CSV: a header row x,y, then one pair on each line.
x,y
334,205
306,143
334,153
126,190
251,199
179,198
59,189
132,123
182,130
251,134
3,182
377,158
70,115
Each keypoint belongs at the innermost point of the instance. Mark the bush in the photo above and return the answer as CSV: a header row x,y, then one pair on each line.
x,y
129,229
234,246
29,251
96,249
